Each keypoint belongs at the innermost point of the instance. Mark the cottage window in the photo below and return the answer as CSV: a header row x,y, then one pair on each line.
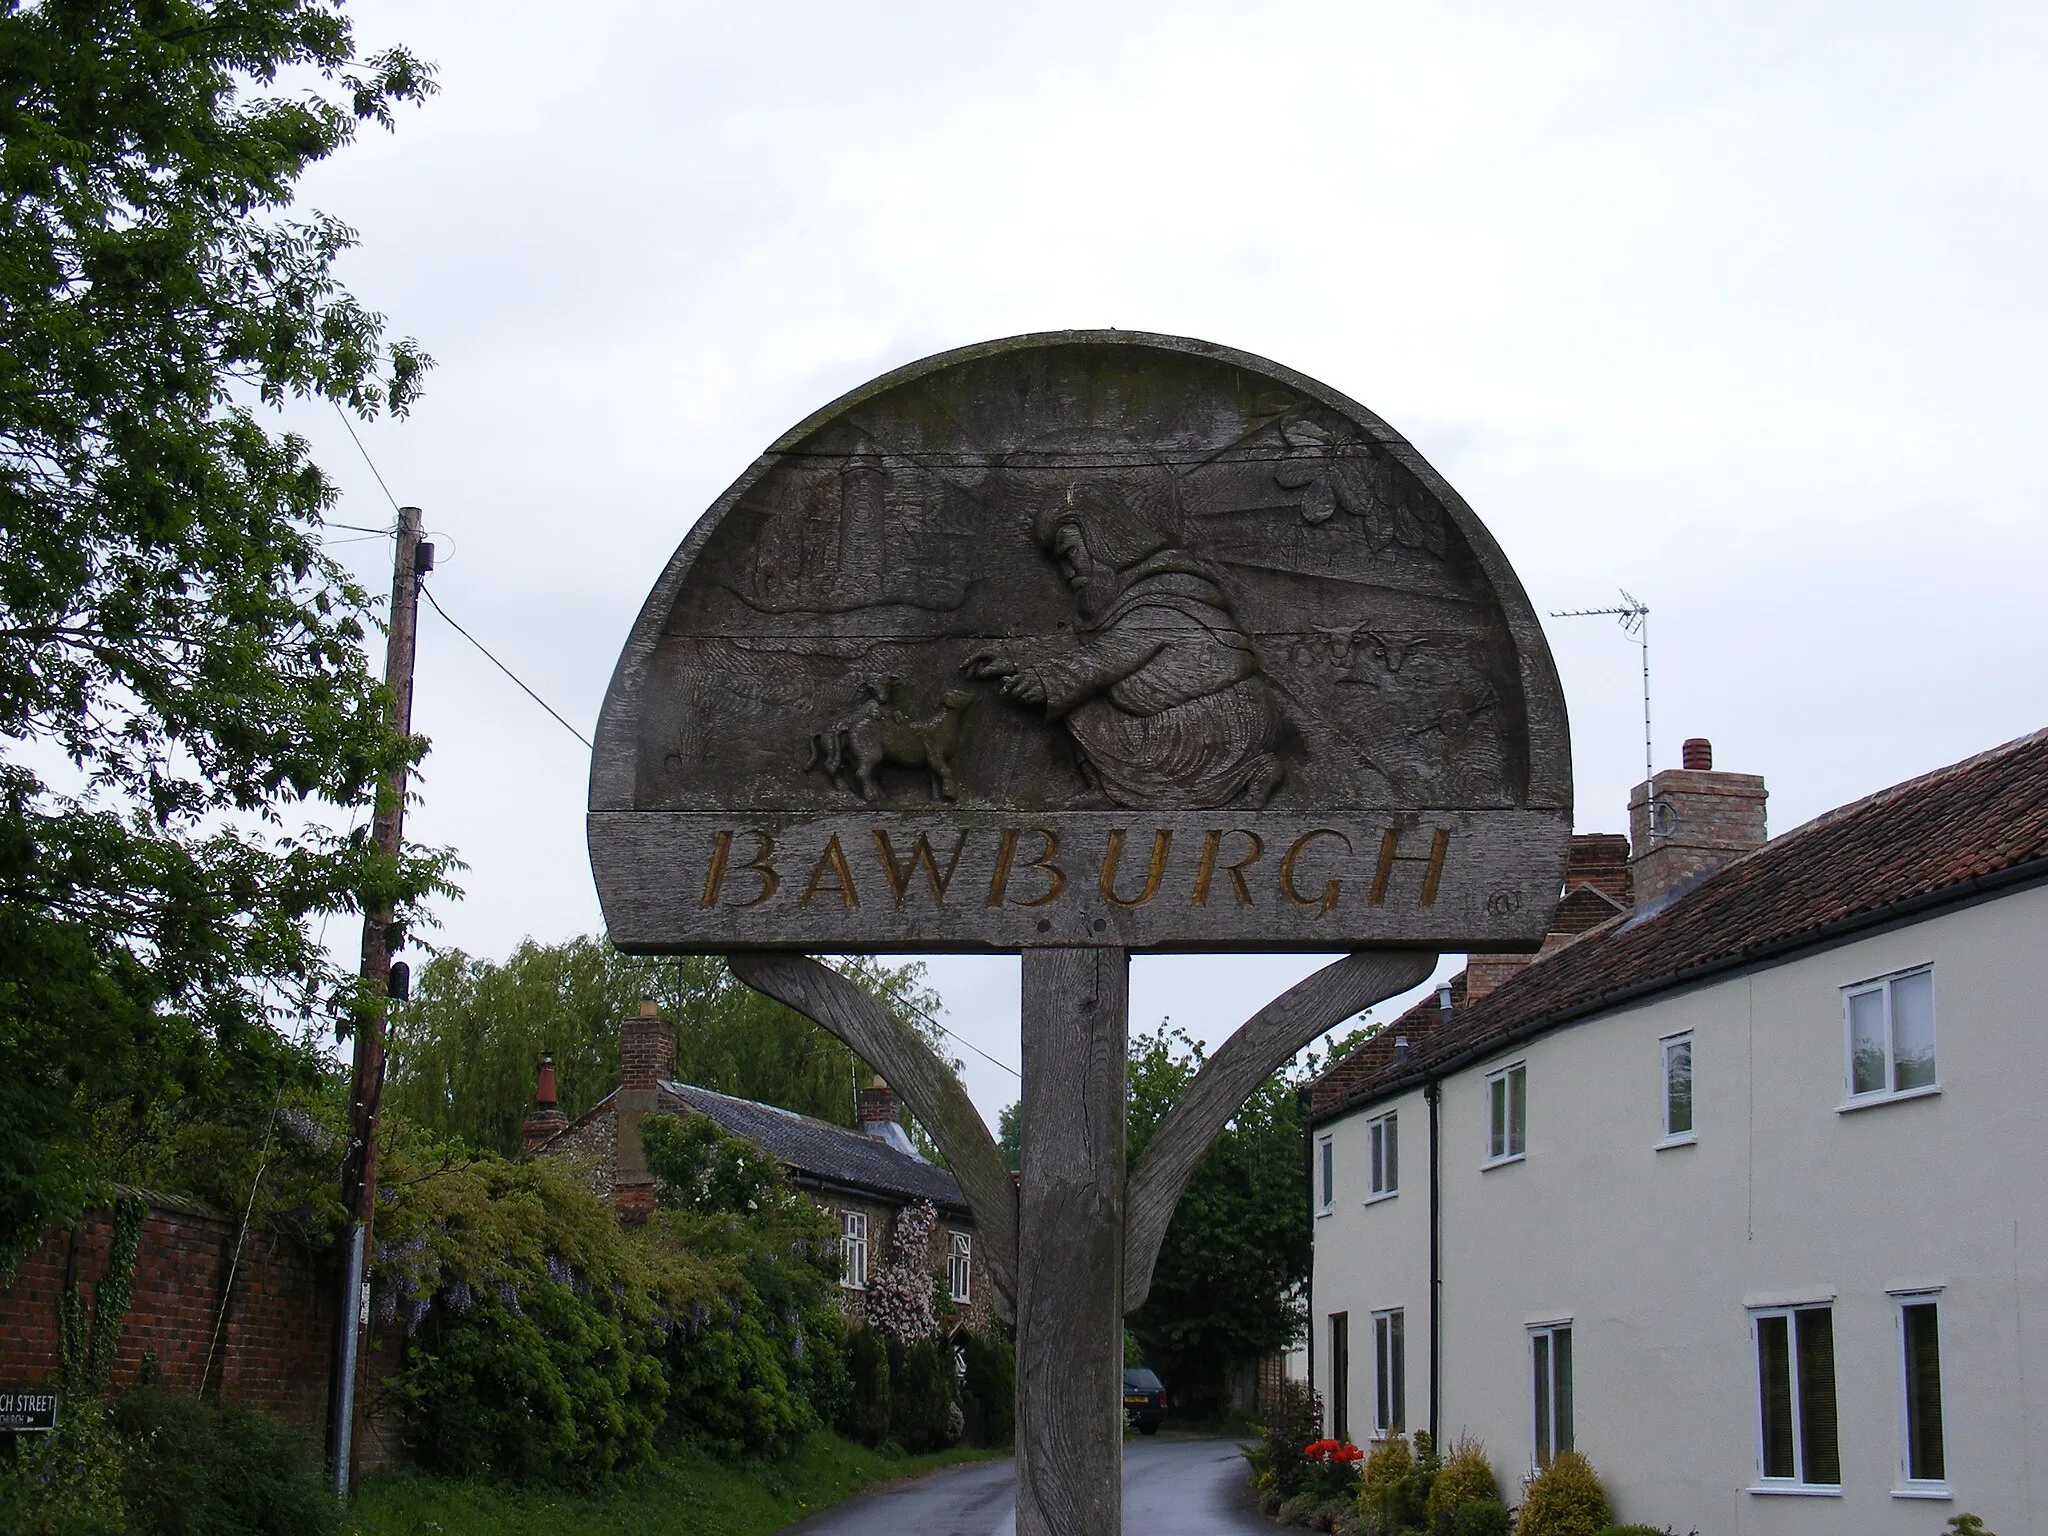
x,y
960,1265
1383,1136
1923,1460
1795,1376
1677,1090
1326,1176
1507,1113
853,1250
1390,1373
1889,1026
1550,1361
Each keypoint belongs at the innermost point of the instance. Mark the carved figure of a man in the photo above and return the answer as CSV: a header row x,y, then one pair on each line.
x,y
1158,685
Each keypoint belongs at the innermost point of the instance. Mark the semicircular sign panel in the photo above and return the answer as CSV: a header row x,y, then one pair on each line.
x,y
1089,638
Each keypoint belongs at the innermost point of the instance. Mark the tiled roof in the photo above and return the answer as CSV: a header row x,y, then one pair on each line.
x,y
1977,824
823,1150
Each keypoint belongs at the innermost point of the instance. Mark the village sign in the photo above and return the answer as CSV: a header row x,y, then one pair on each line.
x,y
1075,645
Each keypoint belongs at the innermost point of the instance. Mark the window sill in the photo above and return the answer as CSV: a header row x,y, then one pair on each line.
x,y
1385,1194
1682,1139
1931,1491
1796,1490
1501,1162
1328,1210
1872,1100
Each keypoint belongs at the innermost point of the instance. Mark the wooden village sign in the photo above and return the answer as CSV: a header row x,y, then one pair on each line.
x,y
1073,645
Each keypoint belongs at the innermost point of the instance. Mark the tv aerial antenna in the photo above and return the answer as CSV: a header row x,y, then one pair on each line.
x,y
1634,615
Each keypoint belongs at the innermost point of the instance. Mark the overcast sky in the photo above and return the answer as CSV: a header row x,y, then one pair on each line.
x,y
1739,307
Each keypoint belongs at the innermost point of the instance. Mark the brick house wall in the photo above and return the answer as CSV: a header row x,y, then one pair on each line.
x,y
271,1350
975,1314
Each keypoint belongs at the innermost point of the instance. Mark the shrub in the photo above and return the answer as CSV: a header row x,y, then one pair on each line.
x,y
923,1413
208,1471
1389,1498
1466,1477
67,1482
1638,1530
867,1365
1564,1499
1276,1458
990,1386
1482,1517
1967,1525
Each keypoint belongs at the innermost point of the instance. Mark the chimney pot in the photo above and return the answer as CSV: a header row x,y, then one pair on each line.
x,y
1443,1000
1400,1048
1697,754
544,1121
544,1096
647,1008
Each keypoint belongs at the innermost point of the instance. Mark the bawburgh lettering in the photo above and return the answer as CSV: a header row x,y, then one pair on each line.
x,y
1027,866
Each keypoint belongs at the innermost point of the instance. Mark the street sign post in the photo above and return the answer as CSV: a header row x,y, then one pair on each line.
x,y
1075,645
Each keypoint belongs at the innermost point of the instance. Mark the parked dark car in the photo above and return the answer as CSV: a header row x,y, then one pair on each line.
x,y
1144,1399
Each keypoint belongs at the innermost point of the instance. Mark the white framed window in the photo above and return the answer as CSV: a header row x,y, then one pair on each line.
x,y
1507,1113
1797,1445
1678,1128
1390,1373
1923,1455
853,1250
1550,1373
960,1265
1326,1176
1888,1032
1384,1138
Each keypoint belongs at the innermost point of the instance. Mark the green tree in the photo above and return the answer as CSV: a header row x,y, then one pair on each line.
x,y
181,666
464,1050
1226,1289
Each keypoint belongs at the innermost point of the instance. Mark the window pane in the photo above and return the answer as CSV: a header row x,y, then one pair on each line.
x,y
1383,1373
1540,1354
1678,1087
1329,1172
1340,1375
1561,1369
1518,1111
1393,1153
1497,1140
1397,1351
1866,1042
1378,1138
1924,1459
1820,1460
1913,1031
1774,1394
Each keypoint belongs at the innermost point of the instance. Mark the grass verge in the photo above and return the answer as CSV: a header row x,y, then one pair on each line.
x,y
687,1494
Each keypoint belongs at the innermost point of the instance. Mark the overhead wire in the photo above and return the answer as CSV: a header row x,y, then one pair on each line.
x,y
427,593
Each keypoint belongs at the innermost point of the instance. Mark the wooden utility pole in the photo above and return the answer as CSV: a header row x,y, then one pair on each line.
x,y
366,1082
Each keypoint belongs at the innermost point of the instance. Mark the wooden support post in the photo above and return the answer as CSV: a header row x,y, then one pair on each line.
x,y
1070,1311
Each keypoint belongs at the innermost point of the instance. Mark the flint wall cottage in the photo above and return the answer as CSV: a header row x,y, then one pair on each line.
x,y
864,1179
1738,1186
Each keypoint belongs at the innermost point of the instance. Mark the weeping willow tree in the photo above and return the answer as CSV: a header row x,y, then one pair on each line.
x,y
463,1052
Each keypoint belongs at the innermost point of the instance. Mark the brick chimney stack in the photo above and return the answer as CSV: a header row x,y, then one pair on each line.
x,y
647,1057
1596,887
1687,822
877,1104
543,1121
647,1049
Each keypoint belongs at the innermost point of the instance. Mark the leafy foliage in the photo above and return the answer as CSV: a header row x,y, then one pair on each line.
x,y
988,1388
924,1409
705,1169
464,1050
868,1407
1482,1517
1564,1499
1278,1456
162,1464
1225,1290
1466,1477
1394,1490
180,663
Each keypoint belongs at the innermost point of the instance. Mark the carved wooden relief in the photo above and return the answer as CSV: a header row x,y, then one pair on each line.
x,y
1092,638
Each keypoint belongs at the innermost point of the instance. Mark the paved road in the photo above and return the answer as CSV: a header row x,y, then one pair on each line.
x,y
1171,1488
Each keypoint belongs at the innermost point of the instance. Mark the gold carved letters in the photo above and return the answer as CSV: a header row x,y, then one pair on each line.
x,y
1313,874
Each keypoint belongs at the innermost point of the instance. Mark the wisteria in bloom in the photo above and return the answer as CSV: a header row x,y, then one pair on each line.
x,y
899,1296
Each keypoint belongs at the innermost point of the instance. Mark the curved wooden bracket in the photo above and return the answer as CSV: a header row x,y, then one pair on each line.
x,y
914,1070
1254,1053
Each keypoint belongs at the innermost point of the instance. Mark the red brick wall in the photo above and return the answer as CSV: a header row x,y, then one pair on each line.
x,y
273,1345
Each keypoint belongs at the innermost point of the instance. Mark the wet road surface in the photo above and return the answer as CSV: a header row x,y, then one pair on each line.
x,y
1171,1488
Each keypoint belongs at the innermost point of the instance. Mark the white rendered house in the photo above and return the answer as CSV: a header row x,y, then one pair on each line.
x,y
1741,1187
